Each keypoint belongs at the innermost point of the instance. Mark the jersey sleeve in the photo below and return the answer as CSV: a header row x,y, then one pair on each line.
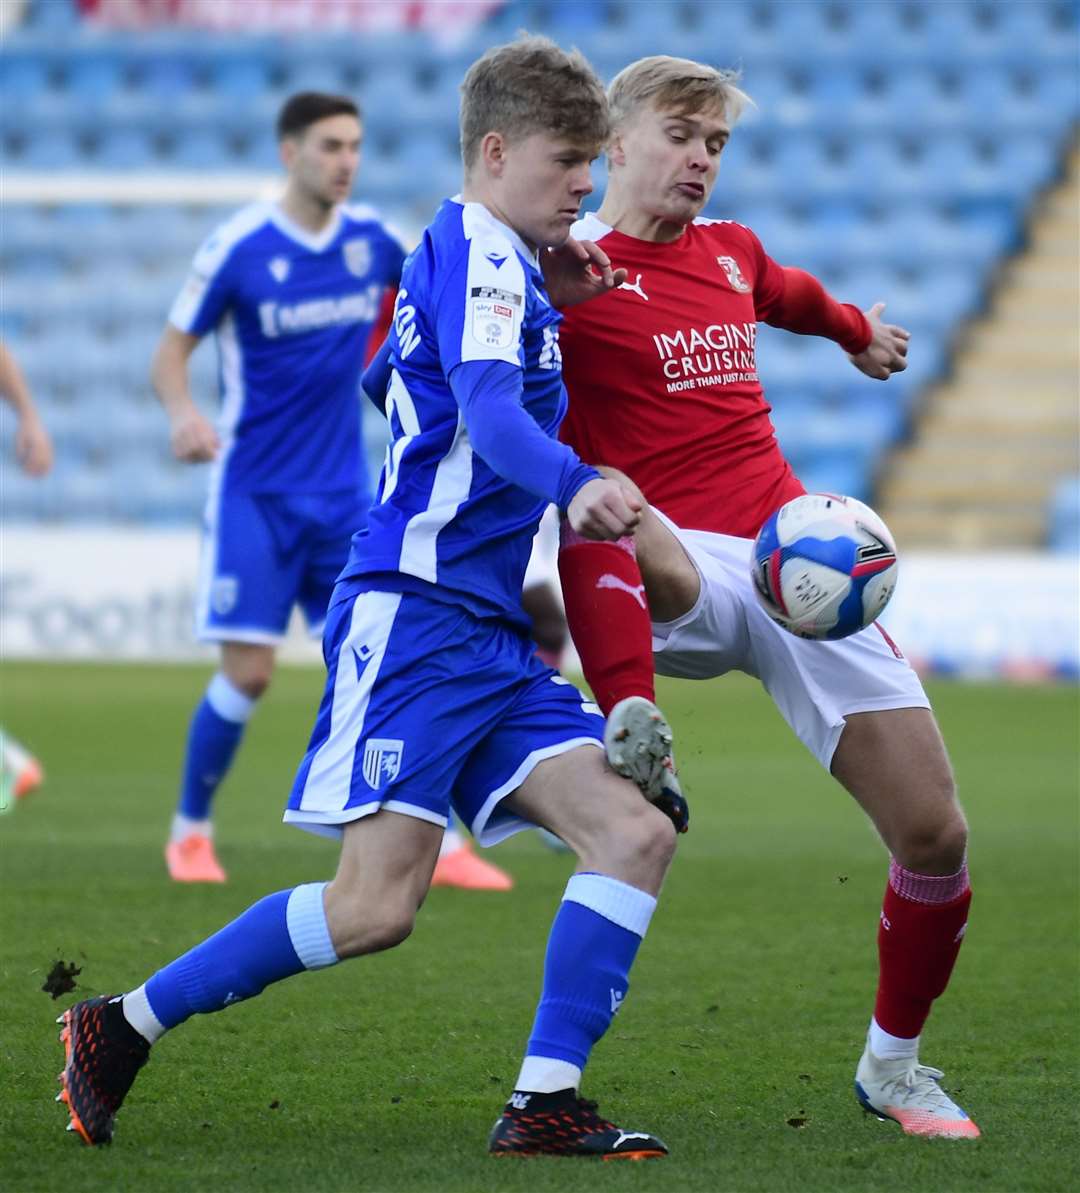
x,y
205,295
768,278
479,307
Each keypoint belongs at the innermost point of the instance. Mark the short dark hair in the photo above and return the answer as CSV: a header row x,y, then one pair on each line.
x,y
302,110
529,86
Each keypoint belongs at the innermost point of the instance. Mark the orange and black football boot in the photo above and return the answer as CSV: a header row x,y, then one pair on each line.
x,y
562,1124
103,1055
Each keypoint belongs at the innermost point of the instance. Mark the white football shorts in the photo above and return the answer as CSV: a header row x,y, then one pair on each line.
x,y
814,684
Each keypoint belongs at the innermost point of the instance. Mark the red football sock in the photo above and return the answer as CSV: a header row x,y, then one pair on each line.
x,y
922,927
608,617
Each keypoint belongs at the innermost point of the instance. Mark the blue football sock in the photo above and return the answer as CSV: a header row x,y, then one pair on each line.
x,y
593,943
275,938
216,728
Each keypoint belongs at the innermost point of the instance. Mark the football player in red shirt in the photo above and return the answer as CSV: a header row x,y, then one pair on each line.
x,y
663,385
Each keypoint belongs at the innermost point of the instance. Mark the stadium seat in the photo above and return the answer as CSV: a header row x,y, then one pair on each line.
x,y
26,77
95,77
51,17
59,149
237,78
125,149
167,77
202,149
822,167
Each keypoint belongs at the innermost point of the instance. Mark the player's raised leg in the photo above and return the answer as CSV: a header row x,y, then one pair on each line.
x,y
895,764
217,727
383,875
613,593
624,846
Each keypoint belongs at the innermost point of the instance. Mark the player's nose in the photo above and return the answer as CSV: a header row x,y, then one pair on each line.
x,y
581,183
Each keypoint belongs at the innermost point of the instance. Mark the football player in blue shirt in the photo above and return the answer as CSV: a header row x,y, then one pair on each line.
x,y
292,291
434,695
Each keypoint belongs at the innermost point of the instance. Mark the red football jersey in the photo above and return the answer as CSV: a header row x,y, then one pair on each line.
x,y
662,375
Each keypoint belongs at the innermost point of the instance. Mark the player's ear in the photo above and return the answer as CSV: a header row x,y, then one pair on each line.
x,y
493,153
287,149
616,153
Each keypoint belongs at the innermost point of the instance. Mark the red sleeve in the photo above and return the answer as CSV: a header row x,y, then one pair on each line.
x,y
803,305
380,329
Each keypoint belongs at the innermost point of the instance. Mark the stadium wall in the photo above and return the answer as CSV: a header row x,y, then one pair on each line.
x,y
129,594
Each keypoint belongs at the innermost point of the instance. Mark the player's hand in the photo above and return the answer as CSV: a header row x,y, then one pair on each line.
x,y
193,439
33,447
604,510
887,351
578,270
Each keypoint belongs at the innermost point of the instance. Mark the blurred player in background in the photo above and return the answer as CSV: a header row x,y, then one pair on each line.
x,y
663,385
20,771
434,695
297,292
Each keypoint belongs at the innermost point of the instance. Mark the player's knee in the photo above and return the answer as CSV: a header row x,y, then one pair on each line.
x,y
643,842
253,678
937,845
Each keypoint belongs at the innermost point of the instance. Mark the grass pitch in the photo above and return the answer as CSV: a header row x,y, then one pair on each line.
x,y
749,1000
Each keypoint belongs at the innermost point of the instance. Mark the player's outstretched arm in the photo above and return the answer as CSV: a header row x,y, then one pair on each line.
x,y
887,351
33,447
578,270
192,436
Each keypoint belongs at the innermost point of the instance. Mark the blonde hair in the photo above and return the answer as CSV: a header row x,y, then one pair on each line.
x,y
680,84
529,86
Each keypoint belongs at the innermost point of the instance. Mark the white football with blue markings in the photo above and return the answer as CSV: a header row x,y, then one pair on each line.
x,y
824,566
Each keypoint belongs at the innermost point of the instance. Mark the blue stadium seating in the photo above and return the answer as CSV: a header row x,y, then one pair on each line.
x,y
893,150
1064,517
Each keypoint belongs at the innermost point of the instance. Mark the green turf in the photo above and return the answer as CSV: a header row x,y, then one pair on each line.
x,y
748,1005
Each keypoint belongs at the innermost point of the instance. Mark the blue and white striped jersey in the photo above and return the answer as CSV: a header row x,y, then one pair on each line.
x,y
444,522
293,312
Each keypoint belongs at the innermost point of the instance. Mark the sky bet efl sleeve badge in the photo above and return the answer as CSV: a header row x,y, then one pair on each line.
x,y
493,313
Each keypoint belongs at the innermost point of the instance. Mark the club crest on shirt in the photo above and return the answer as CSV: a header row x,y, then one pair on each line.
x,y
382,760
734,274
279,268
357,256
223,594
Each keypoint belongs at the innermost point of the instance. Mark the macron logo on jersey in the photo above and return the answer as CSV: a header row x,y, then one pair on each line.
x,y
276,319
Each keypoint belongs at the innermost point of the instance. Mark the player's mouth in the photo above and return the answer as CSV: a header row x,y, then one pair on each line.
x,y
692,190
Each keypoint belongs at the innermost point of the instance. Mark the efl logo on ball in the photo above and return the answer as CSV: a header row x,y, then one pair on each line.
x,y
824,566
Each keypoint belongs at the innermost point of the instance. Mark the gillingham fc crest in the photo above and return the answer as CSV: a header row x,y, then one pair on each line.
x,y
734,274
357,256
223,594
382,760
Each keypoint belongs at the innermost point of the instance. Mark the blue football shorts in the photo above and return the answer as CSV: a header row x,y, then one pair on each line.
x,y
265,552
427,706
